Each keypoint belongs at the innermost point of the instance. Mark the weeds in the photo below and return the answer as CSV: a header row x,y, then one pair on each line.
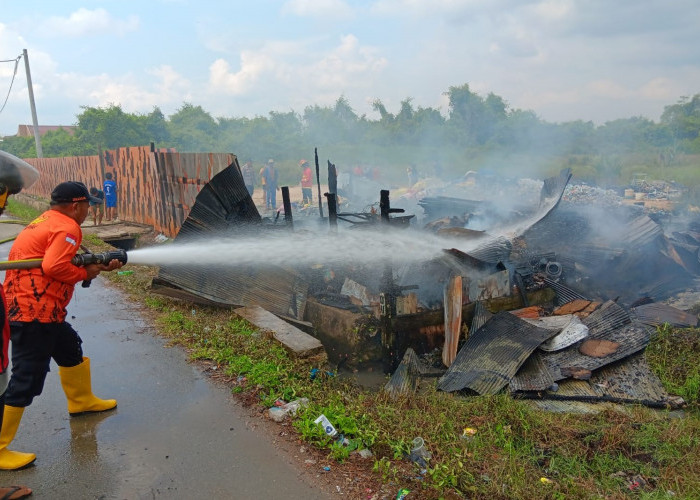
x,y
673,354
22,211
517,450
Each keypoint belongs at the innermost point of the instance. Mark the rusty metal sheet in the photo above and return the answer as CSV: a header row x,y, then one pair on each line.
x,y
685,255
656,314
493,251
628,381
156,188
532,376
481,316
611,323
607,317
631,379
407,375
640,231
569,330
564,293
492,355
224,209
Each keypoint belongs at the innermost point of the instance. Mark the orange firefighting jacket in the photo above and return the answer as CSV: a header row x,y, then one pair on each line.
x,y
43,293
306,178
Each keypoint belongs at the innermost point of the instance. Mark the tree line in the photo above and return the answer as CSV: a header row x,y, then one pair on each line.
x,y
474,127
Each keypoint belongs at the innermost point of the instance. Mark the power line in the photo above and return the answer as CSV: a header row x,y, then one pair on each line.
x,y
14,74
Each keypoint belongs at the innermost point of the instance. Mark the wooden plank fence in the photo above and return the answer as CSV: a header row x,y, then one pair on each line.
x,y
157,188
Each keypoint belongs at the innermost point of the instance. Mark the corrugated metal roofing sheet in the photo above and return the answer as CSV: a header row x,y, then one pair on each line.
x,y
607,317
627,381
532,376
640,231
656,314
564,293
222,209
610,323
407,374
631,379
492,355
481,316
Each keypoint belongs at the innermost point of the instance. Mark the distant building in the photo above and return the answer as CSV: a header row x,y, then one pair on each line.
x,y
28,130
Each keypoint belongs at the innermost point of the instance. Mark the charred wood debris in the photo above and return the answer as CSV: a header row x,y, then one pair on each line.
x,y
556,302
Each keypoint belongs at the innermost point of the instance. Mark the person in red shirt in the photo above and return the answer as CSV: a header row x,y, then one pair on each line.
x,y
307,182
36,301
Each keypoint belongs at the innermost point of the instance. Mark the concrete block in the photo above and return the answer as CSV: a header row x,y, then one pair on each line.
x,y
300,344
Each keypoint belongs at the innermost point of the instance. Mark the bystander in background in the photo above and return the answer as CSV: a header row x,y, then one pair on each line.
x,y
97,208
248,176
110,192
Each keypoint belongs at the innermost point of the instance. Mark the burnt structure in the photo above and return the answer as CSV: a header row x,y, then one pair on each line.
x,y
554,295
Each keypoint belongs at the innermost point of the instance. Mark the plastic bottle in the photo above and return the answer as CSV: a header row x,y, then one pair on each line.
x,y
327,426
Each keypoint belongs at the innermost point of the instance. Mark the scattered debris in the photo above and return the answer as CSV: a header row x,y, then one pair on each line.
x,y
542,289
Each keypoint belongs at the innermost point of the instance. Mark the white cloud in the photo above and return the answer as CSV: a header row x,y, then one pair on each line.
x,y
322,9
348,65
608,89
84,22
297,70
254,65
661,89
169,90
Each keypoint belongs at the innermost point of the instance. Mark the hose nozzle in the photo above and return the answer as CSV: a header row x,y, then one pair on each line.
x,y
85,259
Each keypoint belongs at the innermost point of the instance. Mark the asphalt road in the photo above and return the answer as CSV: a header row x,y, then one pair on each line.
x,y
175,434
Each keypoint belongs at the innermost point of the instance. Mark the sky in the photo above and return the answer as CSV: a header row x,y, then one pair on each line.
x,y
565,60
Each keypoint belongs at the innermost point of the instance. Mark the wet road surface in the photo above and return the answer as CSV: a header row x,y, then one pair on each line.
x,y
175,434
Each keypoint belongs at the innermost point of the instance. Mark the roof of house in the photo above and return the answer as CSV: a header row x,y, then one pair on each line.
x,y
28,130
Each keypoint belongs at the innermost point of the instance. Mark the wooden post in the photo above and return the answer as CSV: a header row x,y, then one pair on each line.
x,y
332,178
332,211
287,207
318,183
387,299
453,319
384,205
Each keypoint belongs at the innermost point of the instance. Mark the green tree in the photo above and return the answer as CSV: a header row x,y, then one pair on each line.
x,y
21,147
192,129
60,142
683,122
156,127
472,119
109,128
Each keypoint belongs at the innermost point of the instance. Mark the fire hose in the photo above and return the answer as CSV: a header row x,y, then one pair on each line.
x,y
81,260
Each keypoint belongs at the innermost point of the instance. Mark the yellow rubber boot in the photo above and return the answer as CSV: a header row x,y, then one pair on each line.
x,y
11,460
78,388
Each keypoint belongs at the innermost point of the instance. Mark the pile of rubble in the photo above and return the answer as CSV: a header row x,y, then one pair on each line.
x,y
560,289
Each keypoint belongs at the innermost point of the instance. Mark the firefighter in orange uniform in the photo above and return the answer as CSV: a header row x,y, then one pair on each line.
x,y
36,301
306,182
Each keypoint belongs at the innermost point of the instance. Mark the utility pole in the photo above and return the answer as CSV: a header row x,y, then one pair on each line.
x,y
37,136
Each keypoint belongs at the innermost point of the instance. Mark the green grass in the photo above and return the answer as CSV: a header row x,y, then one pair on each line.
x,y
514,448
22,211
674,355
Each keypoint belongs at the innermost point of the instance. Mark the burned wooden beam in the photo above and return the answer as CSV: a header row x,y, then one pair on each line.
x,y
287,204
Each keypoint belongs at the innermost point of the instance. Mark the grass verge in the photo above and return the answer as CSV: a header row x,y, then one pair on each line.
x,y
512,451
